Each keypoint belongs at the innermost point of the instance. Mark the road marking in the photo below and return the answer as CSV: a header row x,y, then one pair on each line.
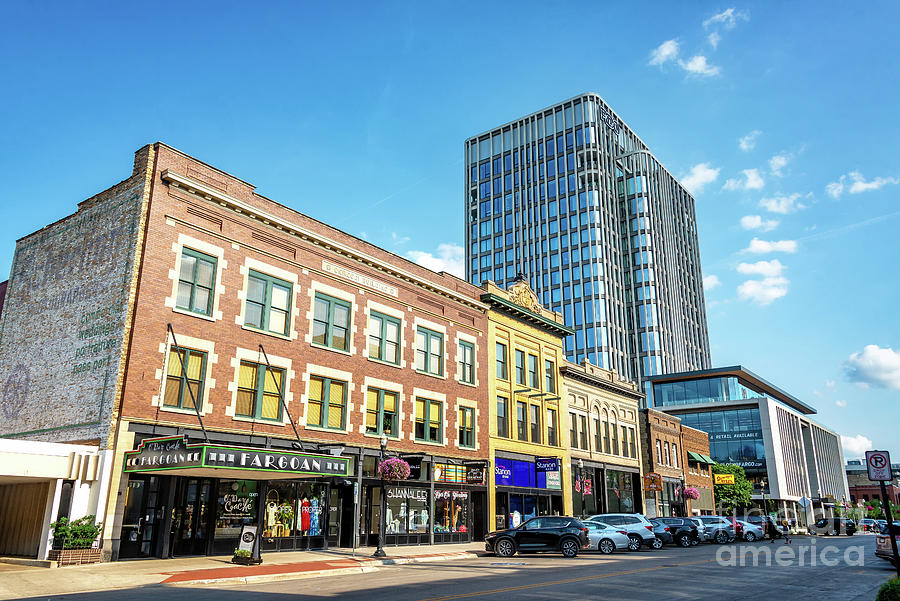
x,y
566,581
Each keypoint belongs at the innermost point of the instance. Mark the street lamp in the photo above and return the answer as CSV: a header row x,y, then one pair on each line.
x,y
379,552
581,479
762,484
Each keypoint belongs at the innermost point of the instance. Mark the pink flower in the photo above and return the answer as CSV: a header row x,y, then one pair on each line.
x,y
393,469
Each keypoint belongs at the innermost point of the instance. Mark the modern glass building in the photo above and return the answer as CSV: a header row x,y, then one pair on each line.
x,y
767,431
571,197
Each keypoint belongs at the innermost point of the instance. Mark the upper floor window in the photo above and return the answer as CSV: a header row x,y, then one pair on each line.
x,y
583,433
196,282
429,417
466,362
522,420
430,351
182,382
536,424
551,428
331,323
502,368
674,455
533,380
502,417
631,442
381,412
573,430
384,338
668,454
598,436
549,377
520,367
268,303
624,441
659,455
327,403
467,427
260,390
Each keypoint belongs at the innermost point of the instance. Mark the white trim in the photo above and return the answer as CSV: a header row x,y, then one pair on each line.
x,y
275,272
390,312
209,383
335,374
370,382
254,356
311,290
218,287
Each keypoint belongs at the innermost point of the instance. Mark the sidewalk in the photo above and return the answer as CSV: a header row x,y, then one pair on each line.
x,y
19,581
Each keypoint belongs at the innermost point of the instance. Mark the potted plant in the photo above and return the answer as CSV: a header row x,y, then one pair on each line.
x,y
244,557
393,469
690,492
74,540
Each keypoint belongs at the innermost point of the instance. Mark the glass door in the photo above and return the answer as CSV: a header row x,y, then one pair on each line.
x,y
138,536
191,516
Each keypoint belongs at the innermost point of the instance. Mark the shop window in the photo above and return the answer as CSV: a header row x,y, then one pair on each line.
x,y
466,362
293,509
381,412
467,427
259,391
533,380
536,424
236,506
384,338
451,513
196,282
327,403
549,377
268,303
522,420
551,428
430,352
502,368
429,417
502,417
331,323
182,381
520,367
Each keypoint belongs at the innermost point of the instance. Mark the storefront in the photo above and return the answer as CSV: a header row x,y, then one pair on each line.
x,y
526,489
601,488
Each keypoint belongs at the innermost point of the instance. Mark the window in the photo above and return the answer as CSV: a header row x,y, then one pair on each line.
x,y
429,416
502,370
536,423
549,377
551,427
430,352
631,442
331,323
381,412
327,403
268,303
583,433
502,417
466,362
674,455
606,437
624,441
659,456
467,427
533,380
520,367
614,443
384,338
573,433
668,454
196,282
180,383
522,420
259,391
598,439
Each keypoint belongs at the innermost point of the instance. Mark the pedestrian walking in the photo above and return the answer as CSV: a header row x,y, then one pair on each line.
x,y
771,529
786,529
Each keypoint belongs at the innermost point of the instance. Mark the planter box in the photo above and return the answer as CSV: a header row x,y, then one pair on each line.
x,y
74,557
246,561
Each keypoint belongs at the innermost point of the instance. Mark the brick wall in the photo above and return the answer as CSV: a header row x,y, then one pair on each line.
x,y
2,295
698,475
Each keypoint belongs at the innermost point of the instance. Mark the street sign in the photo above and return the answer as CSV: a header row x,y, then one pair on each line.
x,y
724,478
653,481
803,502
879,464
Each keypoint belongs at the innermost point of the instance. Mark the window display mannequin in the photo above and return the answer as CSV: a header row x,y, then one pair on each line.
x,y
304,514
314,517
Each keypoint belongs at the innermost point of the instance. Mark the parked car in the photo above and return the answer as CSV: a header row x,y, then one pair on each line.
x,y
833,526
663,534
747,531
701,531
883,548
606,538
868,525
685,531
550,533
639,529
718,528
881,524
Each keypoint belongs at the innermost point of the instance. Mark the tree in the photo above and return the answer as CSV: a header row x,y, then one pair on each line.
x,y
732,496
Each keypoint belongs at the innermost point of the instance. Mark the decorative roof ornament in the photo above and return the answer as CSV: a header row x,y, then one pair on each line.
x,y
521,294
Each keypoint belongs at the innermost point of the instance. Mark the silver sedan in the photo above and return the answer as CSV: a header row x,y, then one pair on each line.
x,y
751,532
605,538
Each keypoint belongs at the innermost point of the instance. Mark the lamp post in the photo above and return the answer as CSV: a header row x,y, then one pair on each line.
x,y
379,552
762,484
581,480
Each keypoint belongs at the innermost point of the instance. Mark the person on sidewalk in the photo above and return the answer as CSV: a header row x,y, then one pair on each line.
x,y
771,529
785,528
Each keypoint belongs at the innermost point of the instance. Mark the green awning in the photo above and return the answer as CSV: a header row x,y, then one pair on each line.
x,y
708,459
700,458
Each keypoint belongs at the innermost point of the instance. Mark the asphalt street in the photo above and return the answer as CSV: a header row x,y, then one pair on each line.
x,y
730,572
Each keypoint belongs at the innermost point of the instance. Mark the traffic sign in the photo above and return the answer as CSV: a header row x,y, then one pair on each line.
x,y
879,464
803,502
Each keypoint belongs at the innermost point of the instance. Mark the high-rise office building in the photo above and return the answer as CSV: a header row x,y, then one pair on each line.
x,y
571,197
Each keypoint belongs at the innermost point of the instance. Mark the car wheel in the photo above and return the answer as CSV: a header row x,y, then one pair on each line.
x,y
750,537
657,543
504,547
695,542
606,546
684,540
721,537
569,547
634,542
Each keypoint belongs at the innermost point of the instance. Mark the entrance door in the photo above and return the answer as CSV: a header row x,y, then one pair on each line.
x,y
139,523
340,515
191,516
479,509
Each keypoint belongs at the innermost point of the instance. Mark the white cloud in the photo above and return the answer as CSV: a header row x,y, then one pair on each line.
x,y
779,162
710,282
756,222
782,204
769,269
714,39
728,18
697,65
664,53
449,258
858,184
830,383
841,403
763,292
748,142
855,446
874,365
700,175
398,240
760,247
752,181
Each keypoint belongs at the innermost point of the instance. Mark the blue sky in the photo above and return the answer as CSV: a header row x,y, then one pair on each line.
x,y
782,119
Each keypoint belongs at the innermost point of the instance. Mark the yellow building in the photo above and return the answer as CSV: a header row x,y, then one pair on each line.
x,y
528,446
603,417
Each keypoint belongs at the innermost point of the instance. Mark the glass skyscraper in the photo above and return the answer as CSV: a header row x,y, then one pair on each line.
x,y
570,197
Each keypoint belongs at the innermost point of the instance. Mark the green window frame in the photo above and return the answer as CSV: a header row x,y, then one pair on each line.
x,y
533,380
429,352
259,391
502,417
331,322
466,362
549,376
502,365
178,380
196,282
326,406
429,420
467,427
384,338
520,367
382,409
268,303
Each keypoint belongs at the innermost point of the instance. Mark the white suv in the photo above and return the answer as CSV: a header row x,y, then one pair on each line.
x,y
639,528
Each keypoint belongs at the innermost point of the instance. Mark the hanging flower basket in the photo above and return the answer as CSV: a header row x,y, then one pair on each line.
x,y
690,492
393,469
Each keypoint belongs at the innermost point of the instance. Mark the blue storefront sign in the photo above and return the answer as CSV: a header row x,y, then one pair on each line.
x,y
503,472
523,473
546,464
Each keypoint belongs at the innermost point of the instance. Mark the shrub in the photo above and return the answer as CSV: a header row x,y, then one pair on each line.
x,y
393,469
75,534
241,553
890,591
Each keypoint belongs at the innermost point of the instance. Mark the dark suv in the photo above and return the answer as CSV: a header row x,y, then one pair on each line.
x,y
550,533
684,531
833,526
